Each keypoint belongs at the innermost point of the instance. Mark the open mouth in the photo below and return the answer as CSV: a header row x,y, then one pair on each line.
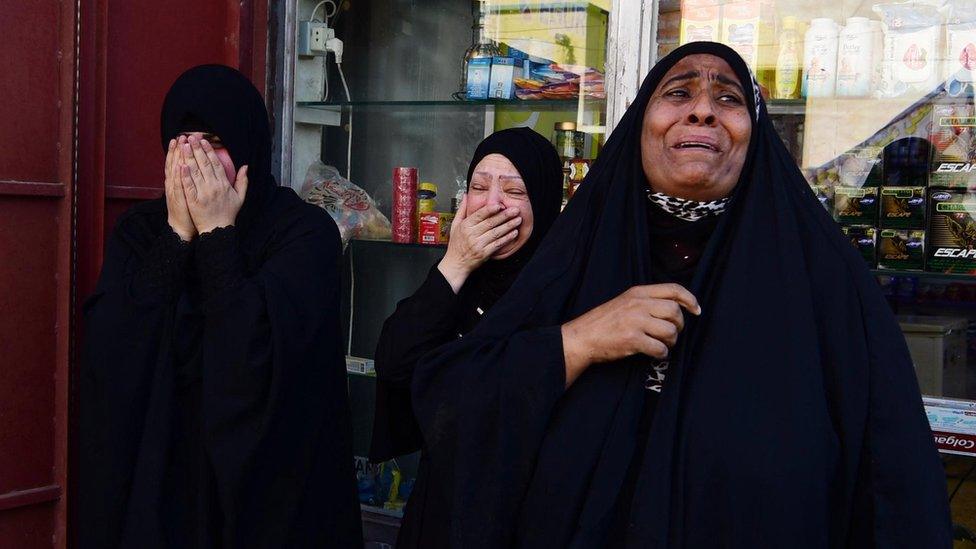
x,y
701,145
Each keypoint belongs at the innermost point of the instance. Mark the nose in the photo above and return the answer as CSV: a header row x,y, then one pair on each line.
x,y
702,111
494,196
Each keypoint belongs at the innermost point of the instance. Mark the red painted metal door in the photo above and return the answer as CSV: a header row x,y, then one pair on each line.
x,y
82,85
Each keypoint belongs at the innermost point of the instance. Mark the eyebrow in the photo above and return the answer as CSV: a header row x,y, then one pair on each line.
x,y
695,74
519,177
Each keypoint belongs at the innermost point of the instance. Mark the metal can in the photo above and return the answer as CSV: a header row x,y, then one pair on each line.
x,y
404,214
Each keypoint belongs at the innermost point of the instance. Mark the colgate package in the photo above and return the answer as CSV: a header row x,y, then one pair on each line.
x,y
952,232
953,137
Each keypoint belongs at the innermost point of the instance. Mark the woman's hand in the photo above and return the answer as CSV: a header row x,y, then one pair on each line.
x,y
644,319
474,238
178,216
213,202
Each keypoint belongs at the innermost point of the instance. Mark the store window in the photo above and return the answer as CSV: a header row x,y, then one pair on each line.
x,y
875,102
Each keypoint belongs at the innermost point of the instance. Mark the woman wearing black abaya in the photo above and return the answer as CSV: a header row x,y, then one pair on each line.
x,y
514,195
587,411
213,397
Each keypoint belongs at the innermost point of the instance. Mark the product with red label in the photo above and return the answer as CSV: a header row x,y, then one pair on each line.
x,y
404,204
435,228
700,21
960,44
911,61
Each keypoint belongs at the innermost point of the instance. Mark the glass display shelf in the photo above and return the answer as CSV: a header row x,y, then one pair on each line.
x,y
926,274
375,242
535,103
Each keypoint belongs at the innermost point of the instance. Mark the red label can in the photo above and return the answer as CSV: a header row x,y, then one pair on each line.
x,y
404,204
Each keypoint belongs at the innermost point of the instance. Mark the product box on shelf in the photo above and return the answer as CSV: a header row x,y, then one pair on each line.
x,y
700,20
404,211
856,205
903,207
864,239
825,194
747,27
434,228
503,72
953,138
951,232
901,249
911,63
479,75
861,167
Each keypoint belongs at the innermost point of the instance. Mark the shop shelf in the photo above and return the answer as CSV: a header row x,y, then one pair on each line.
x,y
551,104
926,275
384,243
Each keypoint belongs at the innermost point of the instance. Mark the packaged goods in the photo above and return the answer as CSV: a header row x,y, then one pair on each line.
x,y
901,249
820,58
855,53
504,71
951,232
825,194
747,29
700,21
856,206
787,80
864,239
911,48
860,167
478,78
953,128
903,207
960,44
404,204
352,209
426,197
906,162
434,228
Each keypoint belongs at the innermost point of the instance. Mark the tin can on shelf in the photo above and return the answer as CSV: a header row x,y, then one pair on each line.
x,y
404,213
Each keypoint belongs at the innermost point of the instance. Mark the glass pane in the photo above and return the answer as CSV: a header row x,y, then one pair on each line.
x,y
875,101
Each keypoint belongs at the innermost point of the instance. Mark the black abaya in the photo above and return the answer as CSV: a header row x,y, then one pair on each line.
x,y
213,398
790,416
434,315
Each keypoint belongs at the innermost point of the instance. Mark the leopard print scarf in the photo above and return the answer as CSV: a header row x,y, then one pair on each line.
x,y
688,210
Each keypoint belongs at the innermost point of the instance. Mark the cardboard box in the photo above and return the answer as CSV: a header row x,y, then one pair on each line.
x,y
901,249
825,194
700,21
479,77
503,72
903,207
856,206
951,231
938,349
747,28
953,137
865,240
434,228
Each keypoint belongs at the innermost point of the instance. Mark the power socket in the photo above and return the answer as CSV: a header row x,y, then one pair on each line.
x,y
313,38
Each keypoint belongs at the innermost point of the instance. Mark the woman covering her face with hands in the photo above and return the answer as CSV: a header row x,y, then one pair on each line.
x,y
213,399
514,195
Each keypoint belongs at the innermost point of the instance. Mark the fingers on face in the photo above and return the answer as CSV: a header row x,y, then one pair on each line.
x,y
215,164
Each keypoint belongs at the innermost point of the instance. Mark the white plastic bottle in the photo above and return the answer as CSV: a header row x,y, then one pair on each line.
x,y
820,58
877,60
854,56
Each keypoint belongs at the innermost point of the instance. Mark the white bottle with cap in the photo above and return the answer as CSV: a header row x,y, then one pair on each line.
x,y
820,58
854,58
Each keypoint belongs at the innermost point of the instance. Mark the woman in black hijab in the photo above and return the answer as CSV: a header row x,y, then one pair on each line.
x,y
514,195
786,414
213,397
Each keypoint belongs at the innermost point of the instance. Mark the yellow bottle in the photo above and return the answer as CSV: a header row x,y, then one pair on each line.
x,y
788,62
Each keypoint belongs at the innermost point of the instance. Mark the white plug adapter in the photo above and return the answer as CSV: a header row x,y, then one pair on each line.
x,y
314,38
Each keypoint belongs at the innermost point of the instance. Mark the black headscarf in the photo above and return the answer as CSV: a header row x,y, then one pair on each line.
x,y
790,415
538,163
219,99
213,395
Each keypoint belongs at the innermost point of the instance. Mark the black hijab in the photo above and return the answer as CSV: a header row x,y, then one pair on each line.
x,y
538,163
221,100
213,393
790,415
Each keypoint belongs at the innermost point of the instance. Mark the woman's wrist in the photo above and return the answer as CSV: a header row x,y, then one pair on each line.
x,y
454,272
574,353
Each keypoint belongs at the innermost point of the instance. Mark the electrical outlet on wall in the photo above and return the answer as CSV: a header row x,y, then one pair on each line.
x,y
313,37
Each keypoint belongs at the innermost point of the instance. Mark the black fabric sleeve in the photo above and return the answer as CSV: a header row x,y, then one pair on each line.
x,y
275,409
420,323
484,404
162,274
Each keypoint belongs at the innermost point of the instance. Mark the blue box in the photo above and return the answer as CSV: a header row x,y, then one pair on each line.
x,y
503,72
479,76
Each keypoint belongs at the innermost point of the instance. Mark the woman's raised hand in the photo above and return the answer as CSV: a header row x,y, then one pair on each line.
x,y
474,238
642,320
178,215
212,201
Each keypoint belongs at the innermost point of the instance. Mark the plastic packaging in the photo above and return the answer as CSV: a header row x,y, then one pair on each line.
x,y
352,209
911,48
855,52
820,58
960,45
787,80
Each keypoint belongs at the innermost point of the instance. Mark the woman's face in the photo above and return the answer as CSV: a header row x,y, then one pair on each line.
x,y
222,153
696,130
496,181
